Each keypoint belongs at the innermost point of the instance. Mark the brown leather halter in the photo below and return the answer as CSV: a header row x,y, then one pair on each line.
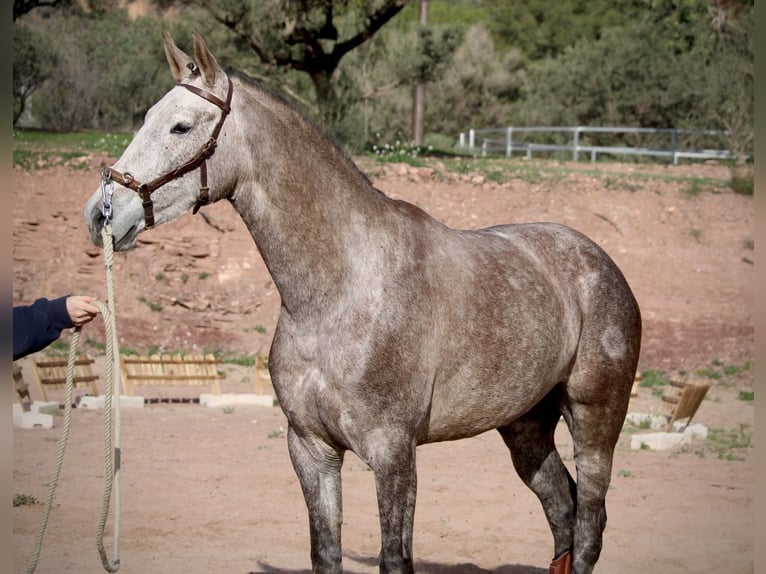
x,y
145,190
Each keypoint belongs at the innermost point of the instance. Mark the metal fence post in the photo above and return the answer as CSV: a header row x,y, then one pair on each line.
x,y
576,143
673,145
471,138
508,142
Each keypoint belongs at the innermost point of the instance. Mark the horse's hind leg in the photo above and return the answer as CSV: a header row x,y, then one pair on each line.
x,y
318,468
595,419
533,452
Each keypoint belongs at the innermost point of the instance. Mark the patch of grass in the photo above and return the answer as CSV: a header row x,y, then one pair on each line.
x,y
694,187
743,186
496,176
203,275
38,149
57,348
96,345
24,500
731,370
746,395
215,351
724,375
653,378
154,306
228,410
742,180
696,234
398,152
620,184
729,444
709,373
242,360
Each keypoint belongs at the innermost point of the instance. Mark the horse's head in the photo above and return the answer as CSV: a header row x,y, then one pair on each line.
x,y
169,166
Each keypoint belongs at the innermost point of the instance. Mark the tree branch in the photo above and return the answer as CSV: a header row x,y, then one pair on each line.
x,y
21,7
376,20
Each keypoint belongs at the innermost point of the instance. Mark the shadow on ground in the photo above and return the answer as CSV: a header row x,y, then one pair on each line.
x,y
421,566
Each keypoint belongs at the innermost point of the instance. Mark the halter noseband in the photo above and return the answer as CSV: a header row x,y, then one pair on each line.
x,y
145,190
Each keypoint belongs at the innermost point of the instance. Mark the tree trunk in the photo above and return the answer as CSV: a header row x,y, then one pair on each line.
x,y
418,94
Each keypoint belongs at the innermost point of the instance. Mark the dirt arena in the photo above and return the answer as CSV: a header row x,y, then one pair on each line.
x,y
212,490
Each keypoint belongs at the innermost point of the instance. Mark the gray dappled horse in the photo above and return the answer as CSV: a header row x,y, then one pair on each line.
x,y
394,330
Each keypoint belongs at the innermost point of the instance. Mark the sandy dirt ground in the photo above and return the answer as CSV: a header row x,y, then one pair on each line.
x,y
212,490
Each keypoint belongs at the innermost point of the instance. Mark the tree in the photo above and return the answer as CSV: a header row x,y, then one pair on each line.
x,y
375,82
94,85
682,65
309,36
543,29
32,65
724,67
477,88
21,7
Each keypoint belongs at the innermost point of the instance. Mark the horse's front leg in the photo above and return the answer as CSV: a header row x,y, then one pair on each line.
x,y
396,485
318,468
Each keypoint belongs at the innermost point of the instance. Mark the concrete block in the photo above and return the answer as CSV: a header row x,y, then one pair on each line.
x,y
37,407
660,440
232,399
30,420
98,402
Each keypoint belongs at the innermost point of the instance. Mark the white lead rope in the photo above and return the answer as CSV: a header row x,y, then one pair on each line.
x,y
111,424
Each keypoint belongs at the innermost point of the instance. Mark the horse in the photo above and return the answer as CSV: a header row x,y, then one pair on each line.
x,y
394,329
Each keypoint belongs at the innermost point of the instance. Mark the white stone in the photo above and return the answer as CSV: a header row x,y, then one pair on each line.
x,y
655,421
232,399
696,430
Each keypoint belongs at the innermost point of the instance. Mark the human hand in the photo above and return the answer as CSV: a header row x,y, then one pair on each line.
x,y
81,309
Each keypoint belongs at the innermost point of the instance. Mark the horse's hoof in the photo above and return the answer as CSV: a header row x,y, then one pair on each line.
x,y
562,564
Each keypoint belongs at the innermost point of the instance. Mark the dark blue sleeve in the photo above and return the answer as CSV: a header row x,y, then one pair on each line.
x,y
37,325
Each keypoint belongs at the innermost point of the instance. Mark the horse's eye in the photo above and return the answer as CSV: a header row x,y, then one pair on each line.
x,y
180,128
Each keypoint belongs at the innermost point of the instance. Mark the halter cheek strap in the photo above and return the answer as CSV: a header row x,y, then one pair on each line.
x,y
145,190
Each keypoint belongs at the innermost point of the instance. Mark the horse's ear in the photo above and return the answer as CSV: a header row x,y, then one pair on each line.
x,y
207,63
181,65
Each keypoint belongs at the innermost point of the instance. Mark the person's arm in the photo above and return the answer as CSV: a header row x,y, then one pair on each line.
x,y
37,325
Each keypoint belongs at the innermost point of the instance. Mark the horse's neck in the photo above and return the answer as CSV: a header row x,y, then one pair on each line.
x,y
309,211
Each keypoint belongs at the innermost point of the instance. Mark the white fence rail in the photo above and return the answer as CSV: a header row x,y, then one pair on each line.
x,y
512,140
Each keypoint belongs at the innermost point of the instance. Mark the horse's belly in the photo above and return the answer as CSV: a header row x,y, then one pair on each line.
x,y
466,405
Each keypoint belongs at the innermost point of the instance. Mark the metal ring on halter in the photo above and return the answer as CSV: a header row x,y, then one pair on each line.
x,y
107,190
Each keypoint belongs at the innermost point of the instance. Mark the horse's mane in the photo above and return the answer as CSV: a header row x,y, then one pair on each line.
x,y
293,105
